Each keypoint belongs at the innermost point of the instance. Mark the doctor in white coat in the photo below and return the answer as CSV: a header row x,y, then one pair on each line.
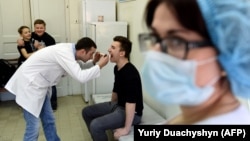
x,y
32,81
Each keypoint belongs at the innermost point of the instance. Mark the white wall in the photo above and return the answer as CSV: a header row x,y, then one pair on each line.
x,y
132,13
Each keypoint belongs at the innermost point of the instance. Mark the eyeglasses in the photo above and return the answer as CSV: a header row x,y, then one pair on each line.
x,y
174,46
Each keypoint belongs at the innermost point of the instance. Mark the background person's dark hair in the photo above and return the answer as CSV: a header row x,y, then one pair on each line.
x,y
39,21
187,12
126,45
85,43
20,29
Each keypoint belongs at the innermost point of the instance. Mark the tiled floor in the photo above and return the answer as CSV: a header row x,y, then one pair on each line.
x,y
69,122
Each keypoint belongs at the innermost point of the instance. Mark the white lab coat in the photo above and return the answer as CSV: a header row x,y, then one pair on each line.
x,y
32,81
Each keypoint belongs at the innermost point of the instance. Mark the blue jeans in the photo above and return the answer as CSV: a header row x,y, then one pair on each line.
x,y
48,122
104,116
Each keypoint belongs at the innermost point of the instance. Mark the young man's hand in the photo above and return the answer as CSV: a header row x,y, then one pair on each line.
x,y
120,132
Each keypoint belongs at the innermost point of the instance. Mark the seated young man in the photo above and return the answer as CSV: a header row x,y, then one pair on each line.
x,y
126,106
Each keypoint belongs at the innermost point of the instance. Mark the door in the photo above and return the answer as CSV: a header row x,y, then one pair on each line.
x,y
53,13
14,13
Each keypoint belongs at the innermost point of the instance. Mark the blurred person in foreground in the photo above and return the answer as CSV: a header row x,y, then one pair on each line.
x,y
198,57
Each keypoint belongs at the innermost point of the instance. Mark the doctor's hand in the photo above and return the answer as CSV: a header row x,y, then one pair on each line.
x,y
103,60
97,57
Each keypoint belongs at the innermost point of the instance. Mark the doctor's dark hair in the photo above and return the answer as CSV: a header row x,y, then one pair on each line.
x,y
187,12
85,43
126,45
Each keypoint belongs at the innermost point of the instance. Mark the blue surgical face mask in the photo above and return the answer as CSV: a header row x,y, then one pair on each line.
x,y
172,81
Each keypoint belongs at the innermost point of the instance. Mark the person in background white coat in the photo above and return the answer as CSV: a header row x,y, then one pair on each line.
x,y
31,83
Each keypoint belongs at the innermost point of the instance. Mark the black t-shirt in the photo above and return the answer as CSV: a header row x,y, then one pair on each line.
x,y
128,87
46,38
28,45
